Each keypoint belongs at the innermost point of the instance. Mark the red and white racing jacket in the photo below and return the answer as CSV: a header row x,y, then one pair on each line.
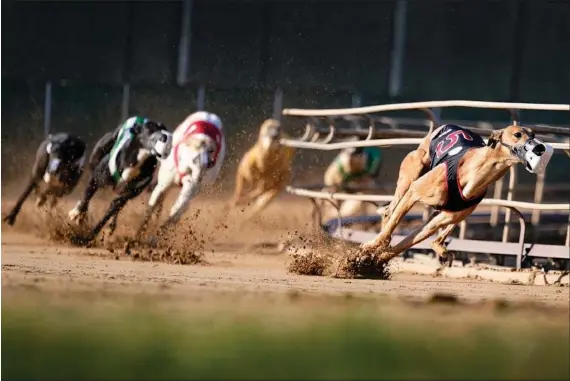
x,y
207,125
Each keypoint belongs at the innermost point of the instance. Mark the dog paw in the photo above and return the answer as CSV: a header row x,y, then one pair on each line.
x,y
10,219
74,214
446,259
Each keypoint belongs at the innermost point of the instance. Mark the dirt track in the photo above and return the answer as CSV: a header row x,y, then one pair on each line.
x,y
235,265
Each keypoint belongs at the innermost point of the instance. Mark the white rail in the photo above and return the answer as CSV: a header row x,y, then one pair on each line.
x,y
424,105
388,198
376,143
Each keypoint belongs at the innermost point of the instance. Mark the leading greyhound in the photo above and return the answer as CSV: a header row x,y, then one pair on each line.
x,y
55,173
125,160
460,167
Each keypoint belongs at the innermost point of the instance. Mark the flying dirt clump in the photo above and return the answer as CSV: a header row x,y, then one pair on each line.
x,y
60,230
182,246
358,265
321,256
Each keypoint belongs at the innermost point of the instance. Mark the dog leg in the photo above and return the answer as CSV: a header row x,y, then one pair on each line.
x,y
79,212
116,205
113,225
429,189
11,217
435,222
240,181
187,193
41,199
262,202
410,170
437,246
155,203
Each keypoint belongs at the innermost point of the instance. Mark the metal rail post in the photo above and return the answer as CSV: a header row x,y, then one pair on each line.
x,y
201,99
126,101
185,40
277,104
397,57
510,195
47,109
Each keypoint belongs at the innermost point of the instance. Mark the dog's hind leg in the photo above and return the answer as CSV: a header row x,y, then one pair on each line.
x,y
11,217
116,205
410,170
437,245
155,204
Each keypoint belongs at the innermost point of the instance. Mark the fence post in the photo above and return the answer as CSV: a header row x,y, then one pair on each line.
x,y
397,57
201,99
126,101
184,47
356,100
510,195
277,104
47,109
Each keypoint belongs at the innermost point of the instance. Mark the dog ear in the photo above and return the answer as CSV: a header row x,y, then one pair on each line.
x,y
494,138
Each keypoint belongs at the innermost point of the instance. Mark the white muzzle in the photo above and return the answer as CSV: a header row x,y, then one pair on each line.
x,y
535,155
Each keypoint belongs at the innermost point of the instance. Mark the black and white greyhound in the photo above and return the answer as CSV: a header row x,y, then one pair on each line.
x,y
125,160
55,173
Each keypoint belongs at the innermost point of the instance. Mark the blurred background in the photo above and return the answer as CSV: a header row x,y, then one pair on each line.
x,y
98,62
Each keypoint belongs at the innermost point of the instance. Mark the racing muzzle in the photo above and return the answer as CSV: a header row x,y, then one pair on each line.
x,y
162,145
534,154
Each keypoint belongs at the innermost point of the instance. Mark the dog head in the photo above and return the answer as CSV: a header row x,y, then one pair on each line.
x,y
66,154
353,159
153,139
522,146
270,133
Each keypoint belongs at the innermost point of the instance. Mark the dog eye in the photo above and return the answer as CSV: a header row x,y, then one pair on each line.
x,y
517,135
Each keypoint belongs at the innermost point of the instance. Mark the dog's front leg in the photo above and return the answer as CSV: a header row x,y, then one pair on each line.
x,y
78,213
430,189
189,190
11,217
435,222
262,202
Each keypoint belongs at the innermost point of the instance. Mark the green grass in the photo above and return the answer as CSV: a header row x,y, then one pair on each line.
x,y
133,343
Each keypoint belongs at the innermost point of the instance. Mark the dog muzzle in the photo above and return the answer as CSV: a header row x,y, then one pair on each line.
x,y
534,154
163,145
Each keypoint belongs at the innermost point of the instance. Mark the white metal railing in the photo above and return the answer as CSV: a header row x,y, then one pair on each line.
x,y
421,105
387,198
376,143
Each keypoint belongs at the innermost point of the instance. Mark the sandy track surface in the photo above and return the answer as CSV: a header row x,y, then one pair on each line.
x,y
54,269
234,263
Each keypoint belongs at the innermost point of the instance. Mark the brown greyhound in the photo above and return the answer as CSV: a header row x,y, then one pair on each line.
x,y
460,168
266,168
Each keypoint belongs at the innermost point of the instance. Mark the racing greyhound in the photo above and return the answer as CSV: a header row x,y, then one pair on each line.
x,y
125,160
195,160
55,173
356,167
460,167
266,167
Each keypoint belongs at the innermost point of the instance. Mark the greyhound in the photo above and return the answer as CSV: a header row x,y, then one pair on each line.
x,y
460,167
266,167
197,155
55,173
356,167
125,160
